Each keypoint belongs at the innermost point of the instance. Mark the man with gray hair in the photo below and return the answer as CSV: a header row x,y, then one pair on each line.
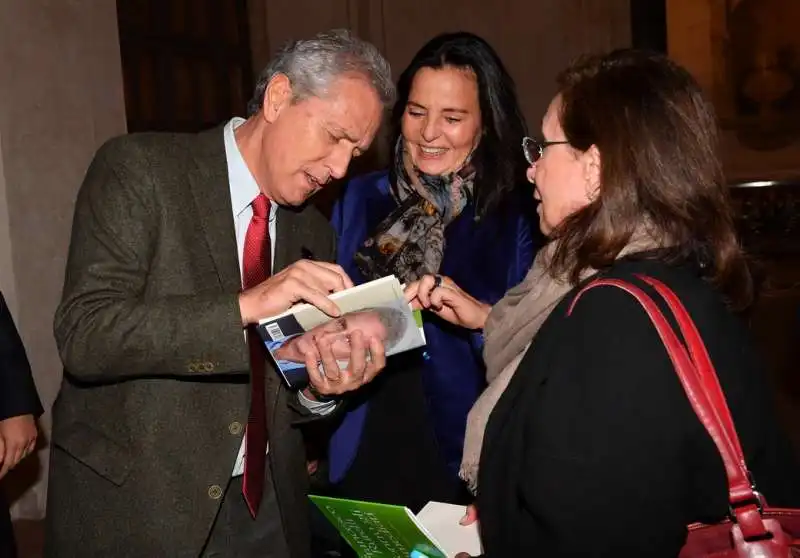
x,y
172,434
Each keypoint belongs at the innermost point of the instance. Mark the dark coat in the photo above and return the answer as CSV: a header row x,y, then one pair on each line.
x,y
594,449
151,411
18,394
409,424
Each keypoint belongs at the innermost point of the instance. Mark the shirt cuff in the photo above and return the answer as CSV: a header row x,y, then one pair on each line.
x,y
317,407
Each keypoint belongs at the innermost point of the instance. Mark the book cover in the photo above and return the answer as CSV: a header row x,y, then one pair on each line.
x,y
376,530
377,308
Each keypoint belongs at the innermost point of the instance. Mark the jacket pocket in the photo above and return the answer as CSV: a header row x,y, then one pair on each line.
x,y
104,456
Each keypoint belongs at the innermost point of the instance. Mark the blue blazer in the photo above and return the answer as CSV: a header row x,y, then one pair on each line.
x,y
485,259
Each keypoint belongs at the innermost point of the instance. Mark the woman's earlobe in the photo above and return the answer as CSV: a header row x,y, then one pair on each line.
x,y
592,172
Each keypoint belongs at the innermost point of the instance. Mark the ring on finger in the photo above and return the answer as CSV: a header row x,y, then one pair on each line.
x,y
437,281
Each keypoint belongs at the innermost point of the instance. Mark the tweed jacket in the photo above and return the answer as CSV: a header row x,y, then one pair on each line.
x,y
150,415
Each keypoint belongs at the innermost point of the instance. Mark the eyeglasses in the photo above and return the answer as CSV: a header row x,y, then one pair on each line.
x,y
534,149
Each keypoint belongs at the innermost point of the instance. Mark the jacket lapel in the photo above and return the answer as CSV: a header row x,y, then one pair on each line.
x,y
287,232
301,233
211,193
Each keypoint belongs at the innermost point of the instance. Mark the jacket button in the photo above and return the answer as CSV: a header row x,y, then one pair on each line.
x,y
215,492
235,428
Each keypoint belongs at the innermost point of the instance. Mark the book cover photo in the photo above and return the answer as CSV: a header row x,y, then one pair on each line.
x,y
377,308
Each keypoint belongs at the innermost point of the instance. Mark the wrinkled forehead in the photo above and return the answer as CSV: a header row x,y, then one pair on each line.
x,y
369,320
352,106
337,324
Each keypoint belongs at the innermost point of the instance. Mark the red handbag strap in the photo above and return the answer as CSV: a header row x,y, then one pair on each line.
x,y
702,363
700,382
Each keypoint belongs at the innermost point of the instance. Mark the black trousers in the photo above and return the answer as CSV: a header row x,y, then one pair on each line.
x,y
8,546
236,534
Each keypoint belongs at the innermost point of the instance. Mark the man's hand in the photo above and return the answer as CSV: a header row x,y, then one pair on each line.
x,y
367,359
17,440
448,301
303,281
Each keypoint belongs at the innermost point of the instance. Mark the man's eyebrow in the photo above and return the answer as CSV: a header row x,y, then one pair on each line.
x,y
339,131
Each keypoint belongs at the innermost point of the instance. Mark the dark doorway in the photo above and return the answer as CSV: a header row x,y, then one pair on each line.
x,y
185,63
649,25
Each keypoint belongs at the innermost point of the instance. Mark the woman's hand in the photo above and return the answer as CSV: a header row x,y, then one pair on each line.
x,y
447,300
470,517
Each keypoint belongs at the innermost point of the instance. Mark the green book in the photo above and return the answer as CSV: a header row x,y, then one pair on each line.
x,y
377,530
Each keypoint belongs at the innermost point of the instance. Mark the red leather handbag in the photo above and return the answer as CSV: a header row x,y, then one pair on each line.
x,y
753,529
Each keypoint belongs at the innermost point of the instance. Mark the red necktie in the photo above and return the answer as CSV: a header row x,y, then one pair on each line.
x,y
256,268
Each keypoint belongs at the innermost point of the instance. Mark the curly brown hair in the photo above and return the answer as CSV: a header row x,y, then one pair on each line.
x,y
657,138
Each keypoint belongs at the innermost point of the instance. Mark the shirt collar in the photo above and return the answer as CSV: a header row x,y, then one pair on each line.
x,y
243,185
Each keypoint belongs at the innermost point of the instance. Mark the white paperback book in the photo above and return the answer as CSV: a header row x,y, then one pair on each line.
x,y
378,309
442,522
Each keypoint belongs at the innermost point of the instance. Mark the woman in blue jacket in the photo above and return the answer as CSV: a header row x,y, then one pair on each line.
x,y
453,202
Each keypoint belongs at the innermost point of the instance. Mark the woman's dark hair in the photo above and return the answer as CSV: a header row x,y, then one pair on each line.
x,y
499,163
657,138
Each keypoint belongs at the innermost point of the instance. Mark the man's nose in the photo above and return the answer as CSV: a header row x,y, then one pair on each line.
x,y
339,161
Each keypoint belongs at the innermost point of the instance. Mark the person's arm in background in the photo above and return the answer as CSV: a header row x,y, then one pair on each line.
x,y
19,401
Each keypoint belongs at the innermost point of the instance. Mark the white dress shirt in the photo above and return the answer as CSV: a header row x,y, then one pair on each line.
x,y
244,189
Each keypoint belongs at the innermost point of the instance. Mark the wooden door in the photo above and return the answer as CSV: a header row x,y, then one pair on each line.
x,y
186,63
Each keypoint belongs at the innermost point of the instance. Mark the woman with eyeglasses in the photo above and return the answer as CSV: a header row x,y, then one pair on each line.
x,y
584,442
452,202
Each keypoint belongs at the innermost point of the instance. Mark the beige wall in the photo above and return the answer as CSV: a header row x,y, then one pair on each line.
x,y
61,96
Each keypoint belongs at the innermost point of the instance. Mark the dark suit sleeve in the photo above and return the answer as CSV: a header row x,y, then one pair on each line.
x,y
107,327
606,473
18,394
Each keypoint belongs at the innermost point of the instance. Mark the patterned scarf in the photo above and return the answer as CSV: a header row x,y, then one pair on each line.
x,y
409,242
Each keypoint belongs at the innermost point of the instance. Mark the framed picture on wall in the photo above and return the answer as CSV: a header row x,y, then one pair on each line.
x,y
746,54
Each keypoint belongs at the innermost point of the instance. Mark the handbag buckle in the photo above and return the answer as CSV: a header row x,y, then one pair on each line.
x,y
757,499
